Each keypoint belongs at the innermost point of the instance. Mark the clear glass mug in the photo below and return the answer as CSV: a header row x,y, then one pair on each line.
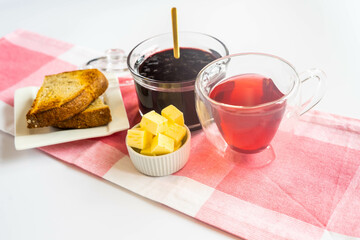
x,y
267,94
154,94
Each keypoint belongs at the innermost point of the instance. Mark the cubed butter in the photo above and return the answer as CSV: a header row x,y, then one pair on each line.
x,y
139,138
173,114
162,144
147,151
176,132
153,122
177,146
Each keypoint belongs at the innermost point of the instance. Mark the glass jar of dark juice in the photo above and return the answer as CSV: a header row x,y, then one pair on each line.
x,y
161,80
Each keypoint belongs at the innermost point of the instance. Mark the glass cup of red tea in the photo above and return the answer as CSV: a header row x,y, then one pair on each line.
x,y
243,99
161,79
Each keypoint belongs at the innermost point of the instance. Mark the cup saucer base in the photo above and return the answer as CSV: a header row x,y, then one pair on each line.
x,y
251,160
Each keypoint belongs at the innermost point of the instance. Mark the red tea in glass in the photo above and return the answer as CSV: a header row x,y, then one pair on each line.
x,y
252,124
243,99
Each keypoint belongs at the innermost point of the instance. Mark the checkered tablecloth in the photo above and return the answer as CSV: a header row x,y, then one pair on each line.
x,y
311,190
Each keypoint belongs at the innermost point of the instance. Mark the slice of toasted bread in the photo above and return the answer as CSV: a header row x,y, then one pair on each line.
x,y
63,95
97,114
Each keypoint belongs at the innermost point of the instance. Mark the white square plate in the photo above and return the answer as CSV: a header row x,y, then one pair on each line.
x,y
26,138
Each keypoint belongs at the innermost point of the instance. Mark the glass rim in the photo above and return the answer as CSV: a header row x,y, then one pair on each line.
x,y
154,81
228,57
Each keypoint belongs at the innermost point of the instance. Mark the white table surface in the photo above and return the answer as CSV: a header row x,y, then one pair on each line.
x,y
43,198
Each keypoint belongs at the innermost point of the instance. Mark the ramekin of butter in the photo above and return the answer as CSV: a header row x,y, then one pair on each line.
x,y
160,144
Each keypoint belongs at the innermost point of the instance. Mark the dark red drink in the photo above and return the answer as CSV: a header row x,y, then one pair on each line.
x,y
176,77
248,129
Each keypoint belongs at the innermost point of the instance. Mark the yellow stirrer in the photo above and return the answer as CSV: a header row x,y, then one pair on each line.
x,y
175,33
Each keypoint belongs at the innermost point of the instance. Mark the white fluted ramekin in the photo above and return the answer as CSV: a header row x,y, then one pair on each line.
x,y
164,164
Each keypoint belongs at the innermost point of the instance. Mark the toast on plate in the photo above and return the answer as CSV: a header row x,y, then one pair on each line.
x,y
64,95
97,114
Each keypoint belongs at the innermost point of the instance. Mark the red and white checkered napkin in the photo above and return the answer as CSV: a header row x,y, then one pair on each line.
x,y
311,191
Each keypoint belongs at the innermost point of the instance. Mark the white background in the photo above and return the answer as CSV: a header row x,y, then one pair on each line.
x,y
43,198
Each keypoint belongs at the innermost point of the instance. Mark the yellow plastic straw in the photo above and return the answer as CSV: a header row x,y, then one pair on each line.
x,y
175,33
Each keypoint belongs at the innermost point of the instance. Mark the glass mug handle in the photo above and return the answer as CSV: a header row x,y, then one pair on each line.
x,y
313,75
